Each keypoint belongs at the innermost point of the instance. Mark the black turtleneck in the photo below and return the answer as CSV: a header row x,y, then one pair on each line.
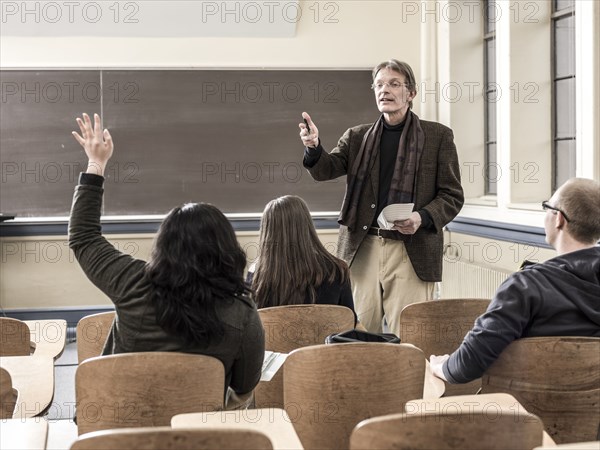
x,y
388,153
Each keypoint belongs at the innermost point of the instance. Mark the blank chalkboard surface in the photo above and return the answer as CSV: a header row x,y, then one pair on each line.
x,y
228,137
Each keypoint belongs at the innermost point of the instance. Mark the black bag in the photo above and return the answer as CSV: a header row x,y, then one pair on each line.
x,y
361,336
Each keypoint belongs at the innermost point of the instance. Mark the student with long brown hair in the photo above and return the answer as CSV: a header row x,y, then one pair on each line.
x,y
293,266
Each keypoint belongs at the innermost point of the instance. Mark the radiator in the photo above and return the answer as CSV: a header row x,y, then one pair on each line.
x,y
466,280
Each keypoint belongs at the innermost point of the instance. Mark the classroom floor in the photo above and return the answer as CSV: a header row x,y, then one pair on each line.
x,y
62,430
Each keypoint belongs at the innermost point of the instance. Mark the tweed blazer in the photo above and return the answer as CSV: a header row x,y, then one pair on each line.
x,y
438,191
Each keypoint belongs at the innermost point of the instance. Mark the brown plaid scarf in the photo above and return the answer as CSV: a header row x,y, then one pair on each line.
x,y
403,186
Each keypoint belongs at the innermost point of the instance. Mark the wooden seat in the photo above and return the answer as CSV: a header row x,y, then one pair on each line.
x,y
14,337
556,378
591,445
30,434
450,429
91,333
291,327
438,327
33,378
47,337
8,395
328,389
159,438
145,389
274,422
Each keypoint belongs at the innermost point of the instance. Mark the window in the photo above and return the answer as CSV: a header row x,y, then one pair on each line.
x,y
563,91
490,97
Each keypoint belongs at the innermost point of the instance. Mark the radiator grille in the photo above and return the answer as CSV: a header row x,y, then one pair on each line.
x,y
465,280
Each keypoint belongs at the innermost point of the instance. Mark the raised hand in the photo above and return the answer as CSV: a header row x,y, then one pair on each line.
x,y
309,138
98,144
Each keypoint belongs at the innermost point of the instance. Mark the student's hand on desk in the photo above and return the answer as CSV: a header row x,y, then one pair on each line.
x,y
309,139
410,225
98,144
436,363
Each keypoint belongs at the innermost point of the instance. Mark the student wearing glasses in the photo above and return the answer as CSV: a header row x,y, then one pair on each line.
x,y
560,297
398,159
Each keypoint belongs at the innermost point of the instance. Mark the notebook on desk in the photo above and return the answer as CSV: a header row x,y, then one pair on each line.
x,y
271,364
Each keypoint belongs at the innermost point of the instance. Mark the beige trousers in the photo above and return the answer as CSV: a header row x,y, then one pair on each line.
x,y
384,282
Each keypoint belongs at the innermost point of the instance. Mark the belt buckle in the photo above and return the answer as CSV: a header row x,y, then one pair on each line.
x,y
379,233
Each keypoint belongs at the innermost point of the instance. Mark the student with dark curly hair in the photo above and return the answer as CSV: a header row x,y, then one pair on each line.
x,y
190,297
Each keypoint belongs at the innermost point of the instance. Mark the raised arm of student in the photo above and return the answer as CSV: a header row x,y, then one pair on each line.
x,y
109,269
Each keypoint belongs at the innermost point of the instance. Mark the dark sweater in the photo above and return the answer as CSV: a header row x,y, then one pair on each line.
x,y
560,297
121,278
335,293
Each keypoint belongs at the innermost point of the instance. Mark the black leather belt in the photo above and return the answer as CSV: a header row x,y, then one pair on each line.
x,y
388,234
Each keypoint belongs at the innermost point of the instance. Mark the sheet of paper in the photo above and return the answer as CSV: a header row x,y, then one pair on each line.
x,y
396,211
271,364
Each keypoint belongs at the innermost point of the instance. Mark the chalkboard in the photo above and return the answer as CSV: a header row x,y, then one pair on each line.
x,y
228,137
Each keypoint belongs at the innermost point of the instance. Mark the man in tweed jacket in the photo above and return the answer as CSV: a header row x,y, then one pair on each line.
x,y
391,269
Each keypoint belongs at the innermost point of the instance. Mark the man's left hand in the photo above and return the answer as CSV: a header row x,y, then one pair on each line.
x,y
410,225
436,363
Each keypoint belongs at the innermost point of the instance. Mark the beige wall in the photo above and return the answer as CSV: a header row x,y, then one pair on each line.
x,y
41,272
356,34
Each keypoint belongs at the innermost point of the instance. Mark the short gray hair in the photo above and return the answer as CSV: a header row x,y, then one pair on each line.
x,y
400,67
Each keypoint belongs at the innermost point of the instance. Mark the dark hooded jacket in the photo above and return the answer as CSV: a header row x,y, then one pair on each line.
x,y
560,297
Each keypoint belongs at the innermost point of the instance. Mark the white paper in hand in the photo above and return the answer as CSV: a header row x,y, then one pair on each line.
x,y
397,211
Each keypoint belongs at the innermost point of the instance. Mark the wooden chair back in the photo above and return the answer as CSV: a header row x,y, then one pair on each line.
x,y
15,338
454,429
159,438
92,332
438,328
328,389
33,378
290,327
8,395
145,389
556,378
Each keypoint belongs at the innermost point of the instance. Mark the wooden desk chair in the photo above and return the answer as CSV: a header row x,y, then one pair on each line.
x,y
291,327
556,378
453,429
14,337
328,389
33,378
47,337
490,404
438,327
8,395
91,333
30,434
591,445
273,422
145,389
159,438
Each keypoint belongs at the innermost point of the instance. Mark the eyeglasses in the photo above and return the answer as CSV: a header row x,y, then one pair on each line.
x,y
546,206
392,85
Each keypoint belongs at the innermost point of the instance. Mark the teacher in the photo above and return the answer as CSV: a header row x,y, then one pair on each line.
x,y
397,159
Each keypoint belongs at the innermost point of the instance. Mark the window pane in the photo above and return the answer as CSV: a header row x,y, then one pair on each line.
x,y
563,4
491,117
491,170
564,160
564,41
491,16
490,56
565,108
